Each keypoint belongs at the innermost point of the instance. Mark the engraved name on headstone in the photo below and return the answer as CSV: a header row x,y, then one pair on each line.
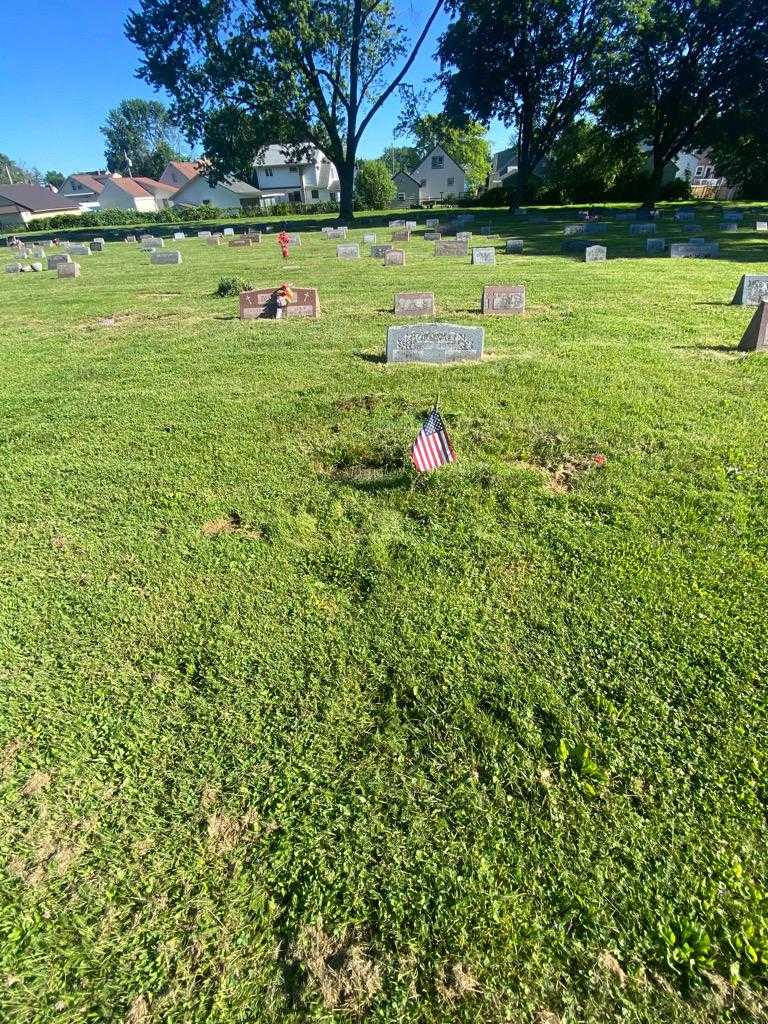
x,y
415,304
348,252
485,256
434,343
503,299
447,247
165,256
261,304
708,251
595,254
753,288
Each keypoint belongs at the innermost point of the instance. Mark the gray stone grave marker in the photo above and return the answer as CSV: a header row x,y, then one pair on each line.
x,y
348,252
80,250
463,236
13,268
729,225
753,289
203,234
447,247
396,224
68,270
178,236
755,338
708,251
401,236
161,256
503,299
394,258
655,246
642,228
97,245
431,222
57,258
229,231
485,256
414,304
369,238
761,225
432,236
434,343
514,245
595,254
380,251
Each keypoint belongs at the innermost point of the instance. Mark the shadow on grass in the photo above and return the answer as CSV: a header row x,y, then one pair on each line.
x,y
221,316
707,348
370,357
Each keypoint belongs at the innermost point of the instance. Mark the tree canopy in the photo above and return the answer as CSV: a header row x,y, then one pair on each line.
x,y
466,143
144,133
303,73
374,188
530,63
678,68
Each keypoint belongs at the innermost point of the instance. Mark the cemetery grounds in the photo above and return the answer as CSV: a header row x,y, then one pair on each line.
x,y
289,733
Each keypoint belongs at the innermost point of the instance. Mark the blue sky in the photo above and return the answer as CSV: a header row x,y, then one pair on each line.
x,y
72,64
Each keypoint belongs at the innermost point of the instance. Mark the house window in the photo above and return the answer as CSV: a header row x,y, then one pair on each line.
x,y
293,169
294,197
423,183
401,197
437,163
699,172
315,193
710,172
449,181
268,172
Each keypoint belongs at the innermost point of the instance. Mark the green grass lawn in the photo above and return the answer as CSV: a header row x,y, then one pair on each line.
x,y
290,734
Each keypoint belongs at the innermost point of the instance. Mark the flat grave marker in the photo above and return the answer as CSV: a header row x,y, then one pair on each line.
x,y
394,258
447,247
160,256
434,343
414,304
348,252
503,299
707,251
261,304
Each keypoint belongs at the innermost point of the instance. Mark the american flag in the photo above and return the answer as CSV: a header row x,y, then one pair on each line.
x,y
432,447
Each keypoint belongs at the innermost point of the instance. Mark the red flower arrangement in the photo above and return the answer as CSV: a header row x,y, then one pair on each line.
x,y
599,460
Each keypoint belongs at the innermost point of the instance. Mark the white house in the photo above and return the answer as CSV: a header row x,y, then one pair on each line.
x,y
179,172
439,176
227,194
282,180
143,194
85,188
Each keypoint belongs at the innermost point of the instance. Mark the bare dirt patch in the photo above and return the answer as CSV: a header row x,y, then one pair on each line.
x,y
340,970
8,756
564,476
231,523
36,784
48,857
455,982
226,832
366,402
138,1012
609,967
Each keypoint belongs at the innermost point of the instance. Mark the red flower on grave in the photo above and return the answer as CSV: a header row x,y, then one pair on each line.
x,y
599,460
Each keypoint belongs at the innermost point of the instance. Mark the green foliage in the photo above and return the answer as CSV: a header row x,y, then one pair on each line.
x,y
303,73
19,172
55,178
589,165
374,188
401,158
529,64
680,67
144,132
232,286
467,144
740,143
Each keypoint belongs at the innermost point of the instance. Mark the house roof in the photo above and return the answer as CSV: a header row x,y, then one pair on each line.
x,y
438,149
233,185
92,180
189,168
35,198
131,186
152,186
407,175
275,156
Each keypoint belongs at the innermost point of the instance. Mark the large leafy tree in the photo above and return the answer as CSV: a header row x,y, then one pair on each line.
x,y
400,158
142,132
530,63
303,73
740,149
374,188
679,68
466,143
588,164
18,172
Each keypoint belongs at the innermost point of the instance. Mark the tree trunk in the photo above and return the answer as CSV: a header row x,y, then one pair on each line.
x,y
347,191
654,181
